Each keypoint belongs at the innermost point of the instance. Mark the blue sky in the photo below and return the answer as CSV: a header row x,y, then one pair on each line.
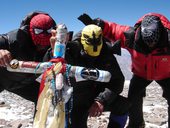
x,y
125,12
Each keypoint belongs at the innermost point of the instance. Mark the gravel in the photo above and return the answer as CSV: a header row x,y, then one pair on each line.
x,y
16,112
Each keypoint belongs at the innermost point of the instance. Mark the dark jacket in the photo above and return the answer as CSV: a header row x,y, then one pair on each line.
x,y
19,43
86,92
21,47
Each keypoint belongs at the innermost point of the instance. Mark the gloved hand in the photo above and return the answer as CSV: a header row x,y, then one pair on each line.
x,y
86,19
118,104
106,97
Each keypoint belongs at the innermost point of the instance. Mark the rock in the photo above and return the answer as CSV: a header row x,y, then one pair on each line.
x,y
17,112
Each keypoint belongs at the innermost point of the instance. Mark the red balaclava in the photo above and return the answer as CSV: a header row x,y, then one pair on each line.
x,y
40,29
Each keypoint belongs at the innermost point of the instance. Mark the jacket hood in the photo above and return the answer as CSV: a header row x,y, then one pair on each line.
x,y
163,19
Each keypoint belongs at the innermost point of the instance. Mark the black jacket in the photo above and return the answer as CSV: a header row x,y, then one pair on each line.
x,y
20,45
86,92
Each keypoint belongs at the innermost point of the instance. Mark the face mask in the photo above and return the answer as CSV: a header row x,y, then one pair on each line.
x,y
91,40
150,30
40,29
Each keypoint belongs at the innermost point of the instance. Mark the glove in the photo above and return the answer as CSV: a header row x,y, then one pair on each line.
x,y
106,97
86,19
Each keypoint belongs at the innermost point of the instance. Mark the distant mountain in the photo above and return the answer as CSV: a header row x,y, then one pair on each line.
x,y
125,63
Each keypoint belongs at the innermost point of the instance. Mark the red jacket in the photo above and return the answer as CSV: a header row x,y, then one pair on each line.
x,y
151,65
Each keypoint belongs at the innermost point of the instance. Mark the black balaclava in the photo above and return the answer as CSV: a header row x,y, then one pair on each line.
x,y
150,30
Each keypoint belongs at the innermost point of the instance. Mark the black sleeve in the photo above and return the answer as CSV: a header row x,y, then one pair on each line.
x,y
116,84
4,42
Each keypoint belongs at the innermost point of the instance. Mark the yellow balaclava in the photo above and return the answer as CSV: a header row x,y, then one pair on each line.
x,y
91,39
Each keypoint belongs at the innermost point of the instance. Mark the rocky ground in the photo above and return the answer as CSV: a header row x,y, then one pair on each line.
x,y
16,112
